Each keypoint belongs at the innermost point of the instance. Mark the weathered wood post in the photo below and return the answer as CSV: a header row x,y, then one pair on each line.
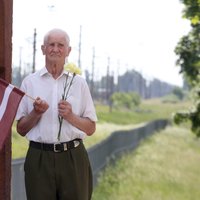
x,y
6,10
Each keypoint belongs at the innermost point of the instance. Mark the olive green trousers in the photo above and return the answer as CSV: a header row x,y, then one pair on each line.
x,y
58,176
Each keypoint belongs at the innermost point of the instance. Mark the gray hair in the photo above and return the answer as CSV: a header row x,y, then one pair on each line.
x,y
56,30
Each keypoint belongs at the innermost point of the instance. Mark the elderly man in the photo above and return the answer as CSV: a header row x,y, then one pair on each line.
x,y
56,168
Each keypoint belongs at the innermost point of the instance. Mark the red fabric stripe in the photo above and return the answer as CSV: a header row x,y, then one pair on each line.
x,y
3,82
3,86
9,115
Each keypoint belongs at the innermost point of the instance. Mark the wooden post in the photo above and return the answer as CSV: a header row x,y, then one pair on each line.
x,y
6,10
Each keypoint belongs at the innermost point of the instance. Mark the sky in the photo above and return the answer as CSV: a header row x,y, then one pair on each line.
x,y
139,35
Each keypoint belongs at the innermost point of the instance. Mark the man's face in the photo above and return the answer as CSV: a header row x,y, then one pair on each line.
x,y
56,48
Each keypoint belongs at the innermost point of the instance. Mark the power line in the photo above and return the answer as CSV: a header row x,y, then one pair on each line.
x,y
34,50
79,49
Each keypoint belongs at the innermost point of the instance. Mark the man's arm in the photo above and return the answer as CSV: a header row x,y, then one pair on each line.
x,y
26,123
83,123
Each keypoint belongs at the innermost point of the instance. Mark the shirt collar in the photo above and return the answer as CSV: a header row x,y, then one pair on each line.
x,y
44,71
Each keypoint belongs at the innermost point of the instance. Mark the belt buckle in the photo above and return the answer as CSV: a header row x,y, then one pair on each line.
x,y
65,147
54,147
76,143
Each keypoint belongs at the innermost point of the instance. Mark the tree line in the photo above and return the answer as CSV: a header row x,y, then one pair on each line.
x,y
188,52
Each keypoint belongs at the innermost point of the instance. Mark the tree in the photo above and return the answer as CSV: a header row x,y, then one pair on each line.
x,y
188,51
125,99
178,92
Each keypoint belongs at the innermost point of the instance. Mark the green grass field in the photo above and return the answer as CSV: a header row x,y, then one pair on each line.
x,y
111,121
164,167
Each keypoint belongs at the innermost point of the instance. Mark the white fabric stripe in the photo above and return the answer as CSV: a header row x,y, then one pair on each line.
x,y
4,102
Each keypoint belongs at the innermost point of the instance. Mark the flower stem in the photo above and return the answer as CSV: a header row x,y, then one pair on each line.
x,y
64,97
60,126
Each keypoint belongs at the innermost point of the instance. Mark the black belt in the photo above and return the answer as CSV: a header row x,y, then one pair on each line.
x,y
56,147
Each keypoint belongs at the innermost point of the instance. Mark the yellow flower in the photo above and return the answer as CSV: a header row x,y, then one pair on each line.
x,y
72,68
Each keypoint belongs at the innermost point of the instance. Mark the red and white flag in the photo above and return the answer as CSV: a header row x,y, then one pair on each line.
x,y
10,98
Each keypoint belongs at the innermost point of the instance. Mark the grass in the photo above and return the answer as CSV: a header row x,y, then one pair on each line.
x,y
20,144
148,110
164,167
111,121
104,130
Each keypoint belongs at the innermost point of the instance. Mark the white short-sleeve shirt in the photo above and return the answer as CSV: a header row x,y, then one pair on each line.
x,y
42,84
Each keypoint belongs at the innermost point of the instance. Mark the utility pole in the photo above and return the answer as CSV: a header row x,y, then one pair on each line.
x,y
20,64
79,47
107,79
34,49
92,78
118,68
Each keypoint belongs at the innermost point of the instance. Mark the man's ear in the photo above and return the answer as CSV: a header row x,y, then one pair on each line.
x,y
43,48
69,50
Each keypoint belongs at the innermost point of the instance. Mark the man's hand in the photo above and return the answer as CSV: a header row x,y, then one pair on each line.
x,y
26,123
82,123
64,109
40,106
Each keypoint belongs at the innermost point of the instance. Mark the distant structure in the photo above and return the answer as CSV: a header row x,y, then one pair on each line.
x,y
131,81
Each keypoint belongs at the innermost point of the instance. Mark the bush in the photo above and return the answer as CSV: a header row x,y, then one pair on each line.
x,y
125,100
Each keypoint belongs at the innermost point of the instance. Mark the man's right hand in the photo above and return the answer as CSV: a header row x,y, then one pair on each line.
x,y
26,123
40,106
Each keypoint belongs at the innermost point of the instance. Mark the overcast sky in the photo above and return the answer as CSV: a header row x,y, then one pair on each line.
x,y
138,35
